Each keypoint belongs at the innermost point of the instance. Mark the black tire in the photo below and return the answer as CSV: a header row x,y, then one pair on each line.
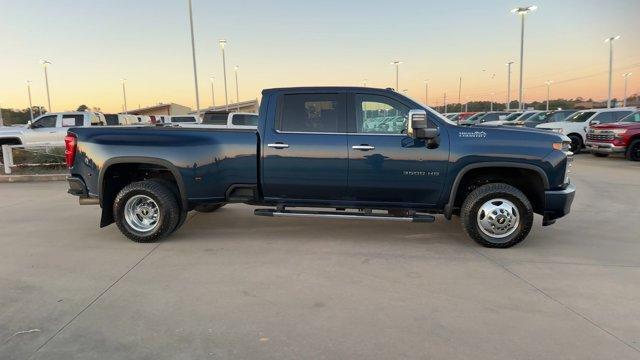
x,y
208,208
600,155
576,143
167,205
174,189
475,200
633,151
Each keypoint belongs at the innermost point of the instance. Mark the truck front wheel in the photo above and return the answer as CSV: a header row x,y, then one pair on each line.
x,y
633,152
146,211
497,215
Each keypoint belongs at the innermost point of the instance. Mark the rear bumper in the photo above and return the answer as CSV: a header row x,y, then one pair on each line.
x,y
604,148
557,203
78,188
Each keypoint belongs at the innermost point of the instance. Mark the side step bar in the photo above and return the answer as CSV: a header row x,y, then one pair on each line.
x,y
343,215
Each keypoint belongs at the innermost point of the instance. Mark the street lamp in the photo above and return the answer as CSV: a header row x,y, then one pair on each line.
x,y
29,93
124,94
193,55
445,102
45,64
548,82
222,43
1,120
364,82
522,11
610,40
624,99
235,69
426,92
397,64
213,96
460,93
509,85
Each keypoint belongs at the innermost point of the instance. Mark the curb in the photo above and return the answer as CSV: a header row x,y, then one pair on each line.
x,y
32,178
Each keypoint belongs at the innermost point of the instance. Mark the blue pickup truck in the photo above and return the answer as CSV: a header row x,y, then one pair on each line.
x,y
333,152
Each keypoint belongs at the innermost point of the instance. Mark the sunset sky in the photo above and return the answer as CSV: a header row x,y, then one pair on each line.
x,y
94,43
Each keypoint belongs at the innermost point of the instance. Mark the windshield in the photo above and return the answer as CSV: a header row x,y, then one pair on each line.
x,y
633,117
580,116
513,116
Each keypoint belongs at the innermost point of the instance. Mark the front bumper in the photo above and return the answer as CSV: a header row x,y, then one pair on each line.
x,y
603,148
557,203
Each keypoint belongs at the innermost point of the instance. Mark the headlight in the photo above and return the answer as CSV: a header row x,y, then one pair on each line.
x,y
619,131
558,130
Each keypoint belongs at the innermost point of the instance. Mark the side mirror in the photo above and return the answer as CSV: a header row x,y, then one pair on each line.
x,y
29,123
594,122
417,126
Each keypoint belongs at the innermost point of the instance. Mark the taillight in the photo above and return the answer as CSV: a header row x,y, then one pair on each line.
x,y
70,144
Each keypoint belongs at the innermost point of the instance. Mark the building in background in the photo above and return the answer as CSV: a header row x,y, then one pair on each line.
x,y
162,109
250,106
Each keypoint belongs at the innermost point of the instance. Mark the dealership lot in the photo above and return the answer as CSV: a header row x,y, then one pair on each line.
x,y
232,285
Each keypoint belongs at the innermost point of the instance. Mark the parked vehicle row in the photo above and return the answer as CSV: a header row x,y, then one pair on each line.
x,y
51,128
575,126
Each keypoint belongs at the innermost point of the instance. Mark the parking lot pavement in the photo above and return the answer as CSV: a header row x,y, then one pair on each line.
x,y
233,285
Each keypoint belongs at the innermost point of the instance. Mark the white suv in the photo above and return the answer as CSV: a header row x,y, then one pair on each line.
x,y
575,126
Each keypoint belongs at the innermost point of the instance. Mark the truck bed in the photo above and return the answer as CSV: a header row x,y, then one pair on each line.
x,y
208,161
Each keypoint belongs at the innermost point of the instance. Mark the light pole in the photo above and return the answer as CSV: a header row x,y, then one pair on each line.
x,y
397,64
610,40
222,43
522,11
193,55
1,120
426,92
509,85
213,95
491,104
29,93
548,82
460,93
45,64
624,99
445,102
124,94
364,82
235,69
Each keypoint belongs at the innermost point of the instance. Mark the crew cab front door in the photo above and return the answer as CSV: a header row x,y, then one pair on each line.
x,y
385,165
304,150
43,130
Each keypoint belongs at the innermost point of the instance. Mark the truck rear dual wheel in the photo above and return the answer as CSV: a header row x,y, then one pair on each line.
x,y
497,215
146,211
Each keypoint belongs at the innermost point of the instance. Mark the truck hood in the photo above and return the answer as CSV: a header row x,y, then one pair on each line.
x,y
617,125
555,125
515,130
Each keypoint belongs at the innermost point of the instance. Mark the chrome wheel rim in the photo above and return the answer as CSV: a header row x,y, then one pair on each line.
x,y
498,218
142,213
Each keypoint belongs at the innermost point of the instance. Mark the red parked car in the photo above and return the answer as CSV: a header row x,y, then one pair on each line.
x,y
619,137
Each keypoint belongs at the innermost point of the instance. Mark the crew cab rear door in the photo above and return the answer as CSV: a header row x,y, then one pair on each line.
x,y
304,148
385,165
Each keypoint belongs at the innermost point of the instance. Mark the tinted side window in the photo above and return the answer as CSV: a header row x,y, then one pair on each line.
x,y
377,114
620,114
45,122
245,120
312,113
604,117
182,119
72,120
215,119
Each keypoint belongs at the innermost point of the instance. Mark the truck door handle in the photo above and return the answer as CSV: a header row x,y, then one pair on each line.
x,y
363,147
278,145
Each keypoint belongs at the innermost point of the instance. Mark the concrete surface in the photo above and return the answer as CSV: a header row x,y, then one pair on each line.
x,y
230,285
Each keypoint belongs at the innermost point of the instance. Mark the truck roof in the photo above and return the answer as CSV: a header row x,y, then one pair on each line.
x,y
324,88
